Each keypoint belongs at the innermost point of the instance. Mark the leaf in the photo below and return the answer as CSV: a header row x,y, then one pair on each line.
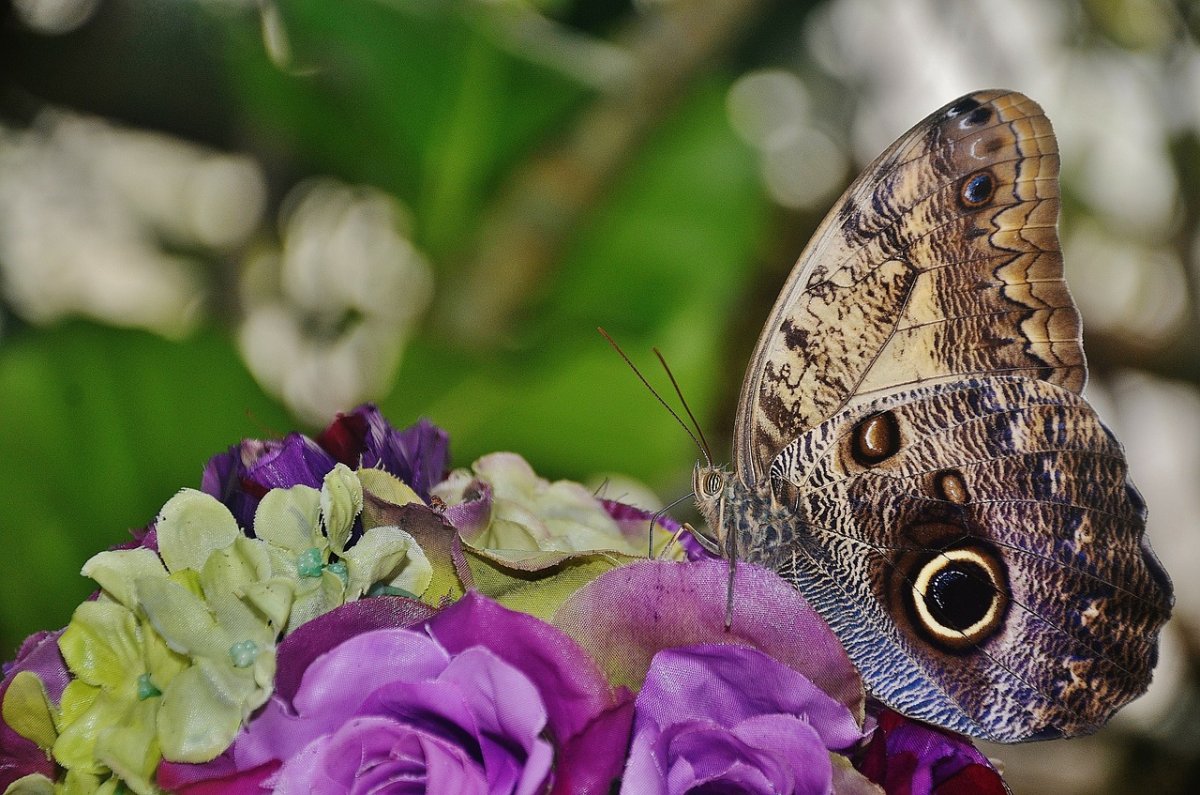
x,y
539,591
439,541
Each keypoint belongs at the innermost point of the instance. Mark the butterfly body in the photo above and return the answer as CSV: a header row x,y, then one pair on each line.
x,y
912,453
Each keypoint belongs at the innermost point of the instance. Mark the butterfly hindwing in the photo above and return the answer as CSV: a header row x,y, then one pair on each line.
x,y
985,564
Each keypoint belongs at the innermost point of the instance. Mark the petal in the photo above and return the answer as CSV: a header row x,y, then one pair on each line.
x,y
468,503
180,617
509,713
419,455
296,461
102,644
591,760
289,519
909,756
387,554
341,503
572,687
115,571
130,748
26,709
191,526
199,717
235,568
615,620
731,684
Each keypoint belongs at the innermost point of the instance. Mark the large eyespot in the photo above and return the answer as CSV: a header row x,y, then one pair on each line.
x,y
875,439
959,597
977,190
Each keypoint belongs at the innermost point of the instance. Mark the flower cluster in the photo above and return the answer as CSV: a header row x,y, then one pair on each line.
x,y
341,615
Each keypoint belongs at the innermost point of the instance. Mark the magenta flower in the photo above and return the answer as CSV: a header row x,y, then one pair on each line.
x,y
477,699
19,756
769,704
417,455
907,757
732,719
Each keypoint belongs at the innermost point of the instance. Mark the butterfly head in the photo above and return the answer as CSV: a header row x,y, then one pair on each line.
x,y
710,484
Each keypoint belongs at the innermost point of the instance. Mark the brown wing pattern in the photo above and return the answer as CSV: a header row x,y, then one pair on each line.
x,y
941,262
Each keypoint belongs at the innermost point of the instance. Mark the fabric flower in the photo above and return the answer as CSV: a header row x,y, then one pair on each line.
x,y
362,439
721,707
19,754
478,699
907,757
306,533
731,719
501,504
243,475
418,455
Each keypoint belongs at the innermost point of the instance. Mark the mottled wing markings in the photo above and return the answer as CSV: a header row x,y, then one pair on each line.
x,y
1090,598
905,285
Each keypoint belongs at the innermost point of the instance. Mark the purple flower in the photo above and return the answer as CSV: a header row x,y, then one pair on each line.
x,y
478,699
907,757
419,455
732,719
239,477
242,476
19,756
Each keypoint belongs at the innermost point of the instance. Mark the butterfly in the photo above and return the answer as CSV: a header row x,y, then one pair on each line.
x,y
912,452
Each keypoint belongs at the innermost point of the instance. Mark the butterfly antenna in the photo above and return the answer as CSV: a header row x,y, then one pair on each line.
x,y
703,447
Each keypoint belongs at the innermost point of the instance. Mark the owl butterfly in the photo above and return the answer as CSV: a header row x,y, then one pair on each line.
x,y
911,450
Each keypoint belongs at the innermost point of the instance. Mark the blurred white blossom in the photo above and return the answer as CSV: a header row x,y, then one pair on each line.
x,y
327,314
89,213
802,167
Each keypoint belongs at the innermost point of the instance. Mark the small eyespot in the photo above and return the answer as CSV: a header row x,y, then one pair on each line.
x,y
875,439
978,116
960,597
962,106
949,485
977,189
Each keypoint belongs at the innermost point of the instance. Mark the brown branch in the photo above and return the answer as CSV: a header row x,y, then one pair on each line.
x,y
534,214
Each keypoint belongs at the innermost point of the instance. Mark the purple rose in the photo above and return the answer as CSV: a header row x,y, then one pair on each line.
x,y
19,756
478,699
723,718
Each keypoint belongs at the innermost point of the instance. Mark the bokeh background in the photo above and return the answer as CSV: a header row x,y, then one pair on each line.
x,y
230,218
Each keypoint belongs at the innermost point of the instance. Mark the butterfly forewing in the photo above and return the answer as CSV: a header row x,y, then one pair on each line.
x,y
940,262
